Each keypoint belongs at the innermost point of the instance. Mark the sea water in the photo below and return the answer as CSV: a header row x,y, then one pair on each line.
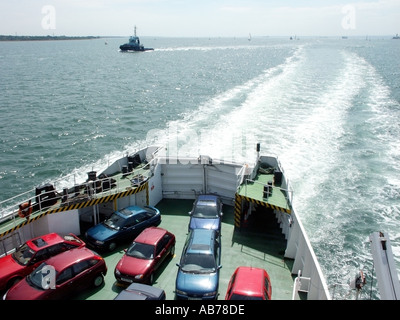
x,y
328,108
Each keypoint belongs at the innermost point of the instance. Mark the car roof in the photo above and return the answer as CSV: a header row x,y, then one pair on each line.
x,y
151,235
201,241
130,211
69,257
45,241
207,199
139,291
249,280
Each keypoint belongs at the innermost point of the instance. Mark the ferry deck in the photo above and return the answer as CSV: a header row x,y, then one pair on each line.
x,y
259,243
255,241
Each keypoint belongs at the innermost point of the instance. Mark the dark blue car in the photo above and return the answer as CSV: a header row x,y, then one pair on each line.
x,y
206,213
123,225
198,273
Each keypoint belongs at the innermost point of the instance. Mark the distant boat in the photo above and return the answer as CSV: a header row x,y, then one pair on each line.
x,y
345,37
397,36
249,37
134,44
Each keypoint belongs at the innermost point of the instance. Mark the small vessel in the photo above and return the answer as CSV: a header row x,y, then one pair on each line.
x,y
397,37
134,44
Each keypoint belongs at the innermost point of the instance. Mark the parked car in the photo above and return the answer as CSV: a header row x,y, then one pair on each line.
x,y
248,283
139,291
206,213
198,273
123,225
61,276
145,255
31,254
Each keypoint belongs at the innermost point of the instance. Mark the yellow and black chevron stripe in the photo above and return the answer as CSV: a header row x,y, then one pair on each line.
x,y
238,210
82,205
238,207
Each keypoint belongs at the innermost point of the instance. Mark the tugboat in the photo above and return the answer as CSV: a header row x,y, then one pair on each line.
x,y
134,44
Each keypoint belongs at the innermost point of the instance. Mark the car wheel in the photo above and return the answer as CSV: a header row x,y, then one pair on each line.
x,y
151,279
172,252
98,281
112,246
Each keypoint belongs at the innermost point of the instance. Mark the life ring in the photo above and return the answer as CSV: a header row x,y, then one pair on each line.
x,y
25,209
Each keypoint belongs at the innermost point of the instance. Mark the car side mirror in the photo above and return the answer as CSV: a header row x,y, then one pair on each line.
x,y
219,267
178,265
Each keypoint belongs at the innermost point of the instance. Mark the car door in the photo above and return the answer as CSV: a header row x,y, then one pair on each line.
x,y
161,251
43,255
73,279
141,223
64,284
133,226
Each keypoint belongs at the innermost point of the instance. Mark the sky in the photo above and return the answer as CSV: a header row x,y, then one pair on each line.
x,y
200,18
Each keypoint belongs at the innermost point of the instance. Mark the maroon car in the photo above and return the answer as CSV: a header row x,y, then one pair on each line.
x,y
145,255
61,276
31,254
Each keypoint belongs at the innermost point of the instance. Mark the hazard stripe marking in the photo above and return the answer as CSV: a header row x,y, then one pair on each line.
x,y
84,204
238,207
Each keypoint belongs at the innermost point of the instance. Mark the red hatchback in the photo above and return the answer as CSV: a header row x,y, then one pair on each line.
x,y
145,255
27,257
61,276
248,283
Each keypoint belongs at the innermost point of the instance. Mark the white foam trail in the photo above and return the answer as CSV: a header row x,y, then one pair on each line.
x,y
212,48
221,127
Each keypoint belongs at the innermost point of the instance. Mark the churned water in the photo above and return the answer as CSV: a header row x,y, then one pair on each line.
x,y
328,108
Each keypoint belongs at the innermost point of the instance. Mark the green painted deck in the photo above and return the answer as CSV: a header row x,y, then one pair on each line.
x,y
255,190
260,244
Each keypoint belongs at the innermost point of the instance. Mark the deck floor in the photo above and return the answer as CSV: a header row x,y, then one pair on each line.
x,y
255,188
258,245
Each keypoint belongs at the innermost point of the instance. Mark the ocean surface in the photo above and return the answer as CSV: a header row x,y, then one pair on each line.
x,y
328,108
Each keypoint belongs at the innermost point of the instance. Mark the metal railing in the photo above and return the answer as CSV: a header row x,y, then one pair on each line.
x,y
82,192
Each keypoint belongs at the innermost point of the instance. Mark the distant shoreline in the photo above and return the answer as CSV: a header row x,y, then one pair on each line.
x,y
41,38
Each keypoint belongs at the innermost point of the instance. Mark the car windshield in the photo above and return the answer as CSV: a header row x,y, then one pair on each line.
x,y
198,263
23,254
205,211
39,278
141,251
115,221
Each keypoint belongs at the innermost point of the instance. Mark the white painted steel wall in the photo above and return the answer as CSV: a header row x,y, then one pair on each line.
x,y
299,248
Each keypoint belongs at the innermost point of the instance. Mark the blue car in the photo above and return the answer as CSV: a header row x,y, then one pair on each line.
x,y
206,213
123,225
198,273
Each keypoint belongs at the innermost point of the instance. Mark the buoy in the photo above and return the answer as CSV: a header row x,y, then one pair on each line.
x,y
25,209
